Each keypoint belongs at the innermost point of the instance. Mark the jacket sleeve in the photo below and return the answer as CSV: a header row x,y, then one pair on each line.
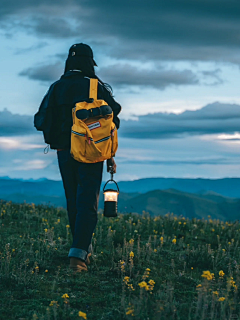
x,y
106,95
43,119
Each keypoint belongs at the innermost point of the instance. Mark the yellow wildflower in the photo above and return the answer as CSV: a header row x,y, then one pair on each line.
x,y
148,269
45,230
67,226
174,241
151,282
142,284
231,282
216,293
161,239
208,275
130,312
126,280
198,286
130,286
223,250
131,254
65,296
52,303
82,314
122,262
213,230
46,270
155,250
131,241
221,273
221,299
13,250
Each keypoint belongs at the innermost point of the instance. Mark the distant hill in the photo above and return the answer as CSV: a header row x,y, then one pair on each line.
x,y
31,187
160,202
227,187
136,196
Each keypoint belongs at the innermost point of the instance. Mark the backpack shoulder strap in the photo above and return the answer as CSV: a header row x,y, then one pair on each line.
x,y
93,89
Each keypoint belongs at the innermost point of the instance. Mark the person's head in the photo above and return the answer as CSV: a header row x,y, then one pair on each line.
x,y
80,57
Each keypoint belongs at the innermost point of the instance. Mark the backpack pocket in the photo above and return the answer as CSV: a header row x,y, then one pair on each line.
x,y
83,147
93,154
78,142
109,144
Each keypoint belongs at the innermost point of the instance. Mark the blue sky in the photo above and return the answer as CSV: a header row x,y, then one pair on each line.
x,y
161,58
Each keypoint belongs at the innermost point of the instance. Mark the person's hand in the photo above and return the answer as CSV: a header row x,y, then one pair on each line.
x,y
111,163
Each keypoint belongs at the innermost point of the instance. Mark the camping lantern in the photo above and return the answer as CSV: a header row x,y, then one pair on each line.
x,y
110,199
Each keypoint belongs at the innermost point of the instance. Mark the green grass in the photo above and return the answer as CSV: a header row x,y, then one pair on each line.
x,y
129,250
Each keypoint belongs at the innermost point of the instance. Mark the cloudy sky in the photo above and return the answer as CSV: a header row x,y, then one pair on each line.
x,y
173,66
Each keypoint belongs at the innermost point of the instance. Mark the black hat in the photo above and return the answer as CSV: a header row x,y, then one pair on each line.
x,y
81,49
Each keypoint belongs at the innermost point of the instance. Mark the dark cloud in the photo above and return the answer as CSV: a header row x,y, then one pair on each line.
x,y
140,30
212,119
120,75
50,26
177,162
45,73
215,75
215,118
9,7
127,75
15,124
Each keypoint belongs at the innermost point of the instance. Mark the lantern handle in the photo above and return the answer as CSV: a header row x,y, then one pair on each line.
x,y
112,181
111,172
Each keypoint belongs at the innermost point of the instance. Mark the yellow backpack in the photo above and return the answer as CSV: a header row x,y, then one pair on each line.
x,y
94,134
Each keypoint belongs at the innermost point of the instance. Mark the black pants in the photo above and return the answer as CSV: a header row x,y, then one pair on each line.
x,y
82,183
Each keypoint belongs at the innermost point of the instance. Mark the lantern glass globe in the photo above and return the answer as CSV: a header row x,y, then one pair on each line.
x,y
110,196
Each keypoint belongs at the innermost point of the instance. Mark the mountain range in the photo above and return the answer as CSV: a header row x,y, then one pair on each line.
x,y
219,198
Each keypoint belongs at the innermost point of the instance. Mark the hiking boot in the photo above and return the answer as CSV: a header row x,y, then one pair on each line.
x,y
88,260
77,265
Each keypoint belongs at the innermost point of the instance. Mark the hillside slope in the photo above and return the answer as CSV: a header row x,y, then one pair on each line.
x,y
157,202
189,205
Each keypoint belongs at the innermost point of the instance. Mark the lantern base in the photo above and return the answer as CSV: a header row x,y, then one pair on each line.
x,y
110,209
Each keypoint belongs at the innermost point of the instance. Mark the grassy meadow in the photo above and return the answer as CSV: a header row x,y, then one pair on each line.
x,y
142,267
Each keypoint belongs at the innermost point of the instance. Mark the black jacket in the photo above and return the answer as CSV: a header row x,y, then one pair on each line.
x,y
54,116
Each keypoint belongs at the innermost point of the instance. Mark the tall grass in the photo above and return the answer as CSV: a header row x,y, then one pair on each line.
x,y
142,267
